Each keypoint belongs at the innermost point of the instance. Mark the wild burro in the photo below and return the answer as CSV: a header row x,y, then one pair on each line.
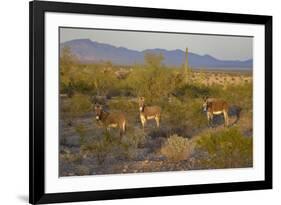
x,y
114,119
214,106
149,113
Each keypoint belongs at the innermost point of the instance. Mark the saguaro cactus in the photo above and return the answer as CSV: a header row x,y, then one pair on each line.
x,y
187,70
186,58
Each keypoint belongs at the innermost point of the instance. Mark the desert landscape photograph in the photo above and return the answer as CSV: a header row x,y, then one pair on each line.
x,y
138,101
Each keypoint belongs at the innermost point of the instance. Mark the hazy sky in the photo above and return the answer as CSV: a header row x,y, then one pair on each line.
x,y
221,47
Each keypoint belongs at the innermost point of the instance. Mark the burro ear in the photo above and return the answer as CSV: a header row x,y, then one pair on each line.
x,y
96,106
205,97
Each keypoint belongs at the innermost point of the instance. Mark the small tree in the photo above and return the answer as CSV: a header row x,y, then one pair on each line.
x,y
153,60
67,61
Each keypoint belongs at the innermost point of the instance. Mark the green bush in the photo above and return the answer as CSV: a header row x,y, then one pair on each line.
x,y
153,81
108,145
188,91
80,104
176,148
185,113
75,77
134,140
82,170
68,62
81,130
240,95
123,104
225,149
71,157
99,148
196,117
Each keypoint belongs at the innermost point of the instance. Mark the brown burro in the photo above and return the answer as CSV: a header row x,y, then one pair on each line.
x,y
214,106
114,119
149,113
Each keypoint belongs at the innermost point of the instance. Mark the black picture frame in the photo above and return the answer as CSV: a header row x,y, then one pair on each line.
x,y
37,9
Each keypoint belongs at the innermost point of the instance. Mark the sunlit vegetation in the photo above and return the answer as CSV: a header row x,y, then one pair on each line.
x,y
183,140
177,148
225,149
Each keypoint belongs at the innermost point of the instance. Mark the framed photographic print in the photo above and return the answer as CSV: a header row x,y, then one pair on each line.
x,y
140,102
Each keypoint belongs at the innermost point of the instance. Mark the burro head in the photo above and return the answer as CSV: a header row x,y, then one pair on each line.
x,y
98,111
205,101
141,103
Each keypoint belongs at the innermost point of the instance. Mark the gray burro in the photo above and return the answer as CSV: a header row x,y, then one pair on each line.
x,y
149,113
114,119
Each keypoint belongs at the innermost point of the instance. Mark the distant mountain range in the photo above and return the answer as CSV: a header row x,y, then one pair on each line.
x,y
89,51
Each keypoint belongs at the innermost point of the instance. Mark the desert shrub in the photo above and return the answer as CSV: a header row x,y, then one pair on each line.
x,y
154,60
174,113
81,130
192,91
225,149
98,148
80,104
103,82
135,80
108,145
94,79
67,58
159,84
121,89
134,140
82,170
71,157
127,147
123,151
176,148
160,132
152,80
240,95
123,105
185,113
68,62
196,116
